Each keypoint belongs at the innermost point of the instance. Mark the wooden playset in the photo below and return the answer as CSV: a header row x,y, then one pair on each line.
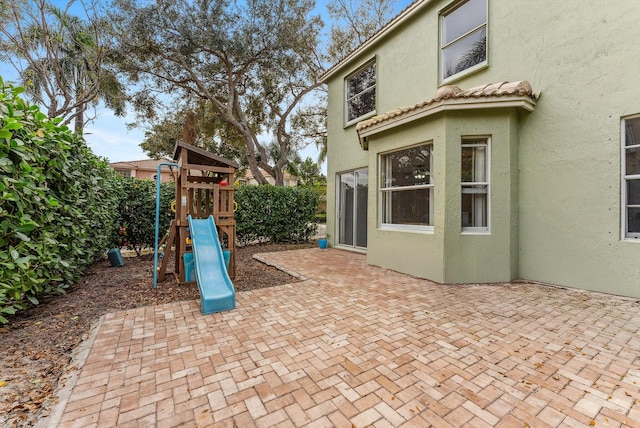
x,y
204,187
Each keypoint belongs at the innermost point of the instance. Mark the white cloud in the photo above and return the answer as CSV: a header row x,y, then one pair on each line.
x,y
108,136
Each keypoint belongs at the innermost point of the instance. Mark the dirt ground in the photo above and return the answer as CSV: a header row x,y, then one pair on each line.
x,y
38,343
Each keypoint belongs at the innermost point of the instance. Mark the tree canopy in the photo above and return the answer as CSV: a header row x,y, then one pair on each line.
x,y
307,171
353,22
253,61
198,125
62,59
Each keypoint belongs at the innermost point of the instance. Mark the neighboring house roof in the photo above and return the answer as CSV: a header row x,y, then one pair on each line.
x,y
145,164
394,22
504,94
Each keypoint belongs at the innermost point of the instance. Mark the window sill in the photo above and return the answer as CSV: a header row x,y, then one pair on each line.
x,y
475,231
359,119
427,230
465,73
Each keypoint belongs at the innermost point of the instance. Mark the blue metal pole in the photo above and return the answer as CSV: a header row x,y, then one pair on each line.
x,y
155,248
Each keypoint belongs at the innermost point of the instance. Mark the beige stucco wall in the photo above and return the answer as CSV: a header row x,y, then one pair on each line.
x,y
478,257
581,56
570,204
447,255
416,253
165,176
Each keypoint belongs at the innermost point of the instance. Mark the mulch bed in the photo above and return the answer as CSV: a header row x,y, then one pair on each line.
x,y
38,343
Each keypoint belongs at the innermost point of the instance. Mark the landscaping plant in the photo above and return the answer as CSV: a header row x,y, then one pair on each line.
x,y
58,204
275,214
137,213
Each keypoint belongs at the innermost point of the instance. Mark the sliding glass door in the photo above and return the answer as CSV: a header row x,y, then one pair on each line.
x,y
353,188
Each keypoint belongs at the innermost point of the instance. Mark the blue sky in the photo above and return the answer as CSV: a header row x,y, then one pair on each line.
x,y
108,135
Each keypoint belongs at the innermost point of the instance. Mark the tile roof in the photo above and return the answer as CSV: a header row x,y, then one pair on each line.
x,y
145,164
504,89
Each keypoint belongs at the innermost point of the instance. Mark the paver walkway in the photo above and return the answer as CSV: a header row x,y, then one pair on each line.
x,y
360,346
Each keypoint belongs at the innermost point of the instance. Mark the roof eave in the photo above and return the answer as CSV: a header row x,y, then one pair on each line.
x,y
522,101
403,16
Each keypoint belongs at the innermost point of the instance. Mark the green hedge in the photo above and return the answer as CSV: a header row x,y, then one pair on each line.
x,y
275,214
58,207
137,214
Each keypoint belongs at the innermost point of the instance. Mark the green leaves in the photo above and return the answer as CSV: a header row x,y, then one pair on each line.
x,y
58,204
137,212
275,213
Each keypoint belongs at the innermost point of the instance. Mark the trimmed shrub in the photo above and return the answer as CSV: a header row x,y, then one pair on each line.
x,y
58,205
275,214
138,213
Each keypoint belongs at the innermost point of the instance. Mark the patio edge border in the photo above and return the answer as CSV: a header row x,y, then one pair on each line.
x,y
260,257
69,377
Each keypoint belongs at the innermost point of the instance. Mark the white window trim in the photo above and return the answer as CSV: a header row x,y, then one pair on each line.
x,y
404,227
479,230
629,237
372,113
467,71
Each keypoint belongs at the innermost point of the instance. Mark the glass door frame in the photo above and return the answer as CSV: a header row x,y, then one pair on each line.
x,y
339,207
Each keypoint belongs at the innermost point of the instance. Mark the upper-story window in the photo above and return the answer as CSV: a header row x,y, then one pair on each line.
x,y
631,177
361,93
463,38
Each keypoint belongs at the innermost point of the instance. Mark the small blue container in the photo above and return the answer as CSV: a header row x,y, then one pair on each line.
x,y
322,243
115,257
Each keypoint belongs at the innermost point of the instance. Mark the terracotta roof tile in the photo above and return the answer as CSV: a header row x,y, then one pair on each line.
x,y
503,89
145,164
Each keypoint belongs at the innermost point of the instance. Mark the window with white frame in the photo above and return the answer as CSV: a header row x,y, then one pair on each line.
x,y
475,184
463,37
631,176
361,92
406,188
124,172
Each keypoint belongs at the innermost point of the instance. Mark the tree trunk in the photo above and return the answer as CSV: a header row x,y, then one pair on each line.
x,y
255,170
79,121
279,176
253,162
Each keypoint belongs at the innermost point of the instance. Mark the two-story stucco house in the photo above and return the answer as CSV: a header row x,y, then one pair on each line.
x,y
489,140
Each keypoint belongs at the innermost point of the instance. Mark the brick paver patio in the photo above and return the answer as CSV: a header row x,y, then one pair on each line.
x,y
357,346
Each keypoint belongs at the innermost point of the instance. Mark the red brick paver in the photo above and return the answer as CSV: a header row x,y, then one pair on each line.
x,y
356,345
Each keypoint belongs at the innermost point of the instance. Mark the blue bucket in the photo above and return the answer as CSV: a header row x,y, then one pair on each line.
x,y
115,257
322,243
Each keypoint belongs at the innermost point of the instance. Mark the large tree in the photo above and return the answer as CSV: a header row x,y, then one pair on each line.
x,y
254,61
352,23
61,58
198,125
355,21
